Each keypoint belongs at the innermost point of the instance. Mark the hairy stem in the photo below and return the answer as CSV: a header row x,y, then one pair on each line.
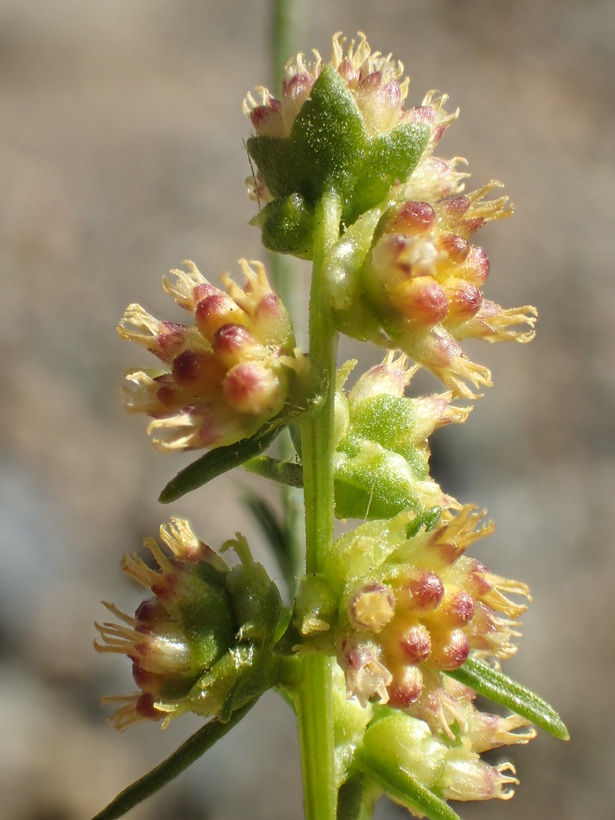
x,y
317,444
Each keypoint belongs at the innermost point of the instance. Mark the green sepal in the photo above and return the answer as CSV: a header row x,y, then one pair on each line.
x,y
287,226
503,690
174,765
256,602
373,482
328,149
208,625
390,159
378,489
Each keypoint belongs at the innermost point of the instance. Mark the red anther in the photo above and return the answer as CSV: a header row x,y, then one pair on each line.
x,y
421,299
253,388
456,248
458,608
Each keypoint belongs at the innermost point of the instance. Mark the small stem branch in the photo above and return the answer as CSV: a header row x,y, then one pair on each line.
x,y
317,445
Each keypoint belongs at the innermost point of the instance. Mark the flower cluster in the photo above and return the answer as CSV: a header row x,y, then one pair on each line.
x,y
407,604
399,744
377,87
228,373
382,453
424,280
199,643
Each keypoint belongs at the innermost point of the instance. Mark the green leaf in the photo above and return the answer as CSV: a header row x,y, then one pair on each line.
x,y
174,765
503,690
405,789
282,472
221,459
216,462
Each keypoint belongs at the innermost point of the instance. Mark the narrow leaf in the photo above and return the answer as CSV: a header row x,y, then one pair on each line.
x,y
404,789
174,765
282,472
216,462
503,690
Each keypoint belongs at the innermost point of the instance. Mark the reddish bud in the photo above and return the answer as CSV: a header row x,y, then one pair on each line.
x,y
449,649
216,310
195,369
422,593
421,299
457,608
234,343
253,388
413,217
415,644
406,687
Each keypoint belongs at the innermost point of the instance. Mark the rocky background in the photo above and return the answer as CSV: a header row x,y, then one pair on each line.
x,y
120,155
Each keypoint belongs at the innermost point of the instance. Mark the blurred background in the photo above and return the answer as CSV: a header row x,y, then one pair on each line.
x,y
121,155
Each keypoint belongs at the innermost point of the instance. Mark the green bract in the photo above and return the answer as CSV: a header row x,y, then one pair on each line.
x,y
328,149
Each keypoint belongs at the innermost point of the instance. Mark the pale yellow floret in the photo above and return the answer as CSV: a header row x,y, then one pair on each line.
x,y
126,714
181,288
176,432
490,209
257,285
250,103
363,59
137,325
140,397
179,537
443,117
458,371
505,319
497,600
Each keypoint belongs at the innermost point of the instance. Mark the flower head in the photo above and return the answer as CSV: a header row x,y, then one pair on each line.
x,y
203,628
382,453
226,374
412,605
424,281
339,125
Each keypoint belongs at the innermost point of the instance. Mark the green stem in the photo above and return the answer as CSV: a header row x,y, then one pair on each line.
x,y
317,444
188,752
289,287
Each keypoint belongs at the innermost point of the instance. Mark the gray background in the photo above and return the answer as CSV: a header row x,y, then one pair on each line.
x,y
120,155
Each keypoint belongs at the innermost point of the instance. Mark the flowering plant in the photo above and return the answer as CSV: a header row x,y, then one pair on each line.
x,y
393,627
